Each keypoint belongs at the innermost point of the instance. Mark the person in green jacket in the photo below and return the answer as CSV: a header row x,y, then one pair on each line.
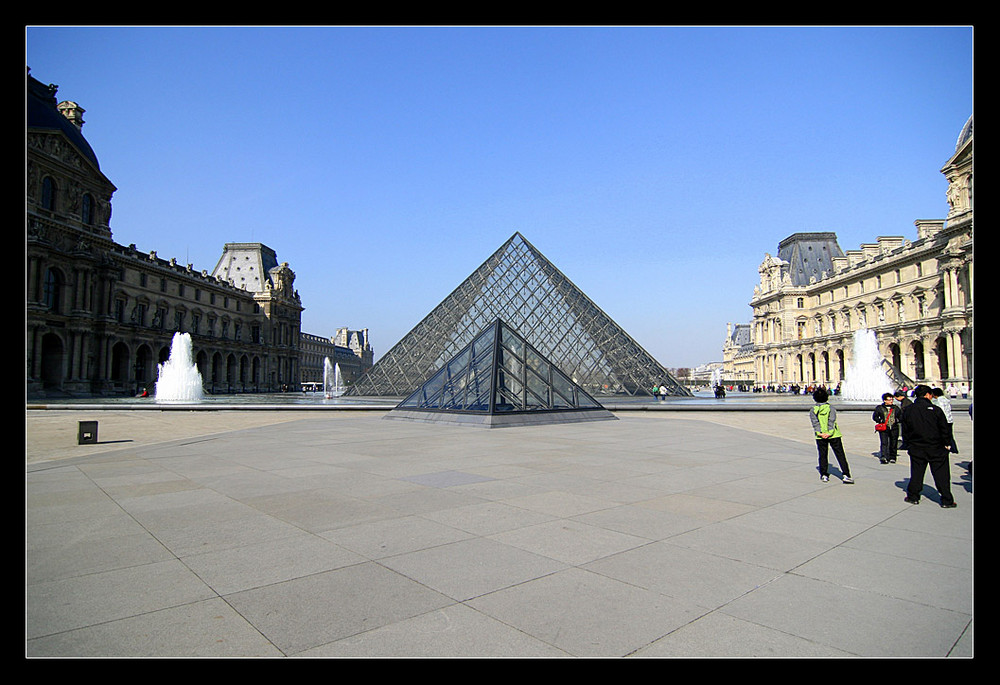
x,y
824,423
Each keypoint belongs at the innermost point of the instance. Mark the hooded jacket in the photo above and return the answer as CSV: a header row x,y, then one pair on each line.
x,y
824,420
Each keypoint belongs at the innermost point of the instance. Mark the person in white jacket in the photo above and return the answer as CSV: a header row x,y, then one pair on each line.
x,y
941,400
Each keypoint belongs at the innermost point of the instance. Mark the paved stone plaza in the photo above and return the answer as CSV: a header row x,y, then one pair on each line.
x,y
338,534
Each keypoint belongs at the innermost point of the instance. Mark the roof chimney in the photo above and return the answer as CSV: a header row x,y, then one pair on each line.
x,y
72,111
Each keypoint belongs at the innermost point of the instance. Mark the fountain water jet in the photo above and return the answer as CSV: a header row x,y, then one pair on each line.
x,y
179,380
332,384
866,379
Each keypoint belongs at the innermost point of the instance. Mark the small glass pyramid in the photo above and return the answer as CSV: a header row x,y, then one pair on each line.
x,y
520,286
500,380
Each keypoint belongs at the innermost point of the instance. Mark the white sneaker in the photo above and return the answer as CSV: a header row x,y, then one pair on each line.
x,y
824,478
848,480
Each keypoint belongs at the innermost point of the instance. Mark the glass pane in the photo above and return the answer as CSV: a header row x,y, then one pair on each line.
x,y
512,342
456,367
505,401
511,364
510,384
537,363
432,390
453,394
560,402
562,386
540,390
479,401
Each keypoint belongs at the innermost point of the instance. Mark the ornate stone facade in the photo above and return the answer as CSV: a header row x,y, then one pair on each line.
x,y
100,316
915,295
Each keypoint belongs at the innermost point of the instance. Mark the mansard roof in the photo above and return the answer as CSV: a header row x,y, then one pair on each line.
x,y
741,335
809,255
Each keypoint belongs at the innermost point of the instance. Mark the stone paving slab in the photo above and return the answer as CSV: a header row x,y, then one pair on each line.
x,y
325,534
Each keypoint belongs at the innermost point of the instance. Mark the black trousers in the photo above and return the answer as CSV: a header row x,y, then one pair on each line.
x,y
887,443
937,459
823,446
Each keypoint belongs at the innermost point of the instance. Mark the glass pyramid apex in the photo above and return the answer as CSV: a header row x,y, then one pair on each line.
x,y
518,285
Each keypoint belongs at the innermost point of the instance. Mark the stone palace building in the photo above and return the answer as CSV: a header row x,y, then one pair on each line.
x,y
916,295
100,316
350,349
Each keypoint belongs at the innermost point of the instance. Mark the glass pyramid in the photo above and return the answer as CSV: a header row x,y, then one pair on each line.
x,y
520,286
500,380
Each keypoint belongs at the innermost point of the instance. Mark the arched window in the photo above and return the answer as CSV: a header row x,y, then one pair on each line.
x,y
87,210
48,193
52,289
917,350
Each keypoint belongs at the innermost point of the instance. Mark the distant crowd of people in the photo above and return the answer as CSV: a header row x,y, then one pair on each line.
x,y
953,391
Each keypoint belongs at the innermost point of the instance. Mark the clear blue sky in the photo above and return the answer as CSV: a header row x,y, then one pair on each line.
x,y
653,166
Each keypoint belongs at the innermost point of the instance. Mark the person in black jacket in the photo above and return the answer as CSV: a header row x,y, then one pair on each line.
x,y
926,431
886,418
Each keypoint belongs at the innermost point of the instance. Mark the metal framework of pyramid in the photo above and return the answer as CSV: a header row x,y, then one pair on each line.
x,y
500,380
520,286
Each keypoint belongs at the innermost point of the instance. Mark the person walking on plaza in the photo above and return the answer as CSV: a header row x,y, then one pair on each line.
x,y
942,401
927,436
828,436
903,402
886,418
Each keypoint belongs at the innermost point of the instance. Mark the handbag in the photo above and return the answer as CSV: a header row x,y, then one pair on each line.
x,y
880,427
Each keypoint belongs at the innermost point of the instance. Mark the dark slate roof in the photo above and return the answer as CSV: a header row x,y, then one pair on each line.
x,y
808,255
964,135
42,115
741,334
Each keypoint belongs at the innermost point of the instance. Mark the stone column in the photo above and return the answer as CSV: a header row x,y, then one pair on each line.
x,y
954,342
32,268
